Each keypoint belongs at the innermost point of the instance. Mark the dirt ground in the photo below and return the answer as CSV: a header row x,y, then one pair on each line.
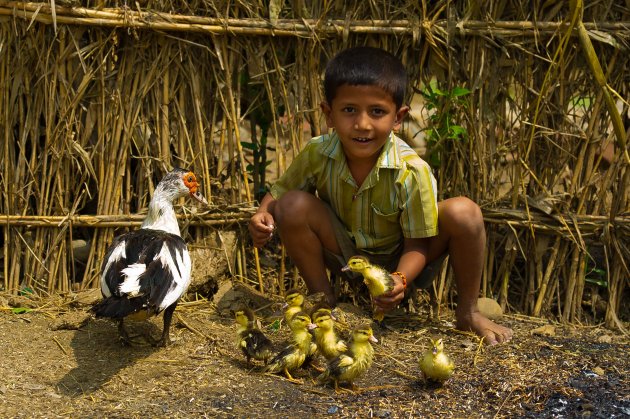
x,y
59,362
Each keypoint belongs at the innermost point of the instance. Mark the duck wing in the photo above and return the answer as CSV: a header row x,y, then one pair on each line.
x,y
143,270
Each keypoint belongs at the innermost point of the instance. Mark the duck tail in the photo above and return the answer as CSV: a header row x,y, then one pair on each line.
x,y
117,308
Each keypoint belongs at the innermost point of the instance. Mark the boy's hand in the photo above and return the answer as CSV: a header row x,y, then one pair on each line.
x,y
393,298
261,227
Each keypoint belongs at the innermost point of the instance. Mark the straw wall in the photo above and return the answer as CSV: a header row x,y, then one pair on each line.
x,y
97,101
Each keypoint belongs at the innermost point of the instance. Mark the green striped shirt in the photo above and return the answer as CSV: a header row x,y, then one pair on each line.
x,y
397,199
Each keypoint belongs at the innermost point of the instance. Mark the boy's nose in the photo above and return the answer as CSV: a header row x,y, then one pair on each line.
x,y
362,122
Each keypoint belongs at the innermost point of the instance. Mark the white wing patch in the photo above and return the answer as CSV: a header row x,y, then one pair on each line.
x,y
182,264
131,283
117,254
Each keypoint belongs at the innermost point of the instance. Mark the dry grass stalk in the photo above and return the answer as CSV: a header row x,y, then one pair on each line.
x,y
92,116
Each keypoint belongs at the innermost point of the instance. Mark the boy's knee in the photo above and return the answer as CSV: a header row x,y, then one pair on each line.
x,y
462,212
292,207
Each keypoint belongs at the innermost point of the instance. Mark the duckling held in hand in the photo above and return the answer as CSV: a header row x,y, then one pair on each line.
x,y
293,355
328,344
377,279
250,338
435,364
349,366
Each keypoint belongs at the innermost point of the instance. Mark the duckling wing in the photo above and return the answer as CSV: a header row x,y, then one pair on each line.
x,y
290,357
255,344
143,270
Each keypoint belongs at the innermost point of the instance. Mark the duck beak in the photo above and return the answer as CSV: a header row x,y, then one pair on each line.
x,y
345,268
373,339
198,196
312,326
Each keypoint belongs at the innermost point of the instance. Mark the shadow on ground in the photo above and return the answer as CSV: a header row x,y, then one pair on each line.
x,y
100,356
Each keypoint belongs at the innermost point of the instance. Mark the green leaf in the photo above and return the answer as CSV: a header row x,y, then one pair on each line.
x,y
457,131
459,91
275,326
249,146
599,282
20,310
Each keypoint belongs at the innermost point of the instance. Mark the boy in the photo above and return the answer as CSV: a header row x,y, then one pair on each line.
x,y
375,195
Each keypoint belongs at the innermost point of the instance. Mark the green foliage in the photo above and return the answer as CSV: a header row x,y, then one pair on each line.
x,y
260,113
445,106
596,276
275,326
20,310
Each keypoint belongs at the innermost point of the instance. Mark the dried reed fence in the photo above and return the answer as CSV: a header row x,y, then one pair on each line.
x,y
97,101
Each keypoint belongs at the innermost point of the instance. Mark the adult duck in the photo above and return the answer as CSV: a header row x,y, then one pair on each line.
x,y
146,271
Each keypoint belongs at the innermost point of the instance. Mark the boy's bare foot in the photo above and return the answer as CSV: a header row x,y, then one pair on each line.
x,y
476,322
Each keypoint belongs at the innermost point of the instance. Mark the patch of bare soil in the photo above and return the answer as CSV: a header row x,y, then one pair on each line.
x,y
59,362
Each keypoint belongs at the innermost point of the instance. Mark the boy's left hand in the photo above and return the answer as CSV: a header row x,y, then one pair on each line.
x,y
392,299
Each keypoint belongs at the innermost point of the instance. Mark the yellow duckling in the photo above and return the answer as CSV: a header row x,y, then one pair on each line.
x,y
294,354
250,338
349,366
435,364
377,279
328,344
293,303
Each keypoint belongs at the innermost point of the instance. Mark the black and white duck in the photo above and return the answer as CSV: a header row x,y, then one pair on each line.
x,y
146,271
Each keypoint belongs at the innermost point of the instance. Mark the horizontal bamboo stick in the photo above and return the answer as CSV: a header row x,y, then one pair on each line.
x,y
107,221
127,18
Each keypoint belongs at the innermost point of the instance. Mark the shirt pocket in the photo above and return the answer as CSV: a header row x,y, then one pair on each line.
x,y
386,222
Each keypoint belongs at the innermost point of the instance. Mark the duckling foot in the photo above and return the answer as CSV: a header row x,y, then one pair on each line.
x,y
317,367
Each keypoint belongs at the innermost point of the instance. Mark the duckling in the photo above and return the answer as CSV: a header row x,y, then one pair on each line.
x,y
250,338
435,364
328,344
294,354
349,366
293,303
377,279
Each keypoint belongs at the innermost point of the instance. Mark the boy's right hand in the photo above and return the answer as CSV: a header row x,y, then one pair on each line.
x,y
261,227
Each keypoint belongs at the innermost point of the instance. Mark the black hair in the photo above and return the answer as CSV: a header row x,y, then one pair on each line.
x,y
366,66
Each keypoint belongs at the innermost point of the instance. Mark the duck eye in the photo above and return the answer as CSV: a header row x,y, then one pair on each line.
x,y
190,179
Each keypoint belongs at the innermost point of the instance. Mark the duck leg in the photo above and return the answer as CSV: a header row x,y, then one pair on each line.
x,y
122,332
165,340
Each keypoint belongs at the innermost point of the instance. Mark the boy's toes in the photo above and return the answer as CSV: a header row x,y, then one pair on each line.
x,y
499,335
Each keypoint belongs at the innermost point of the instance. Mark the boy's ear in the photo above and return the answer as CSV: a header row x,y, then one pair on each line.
x,y
400,115
327,111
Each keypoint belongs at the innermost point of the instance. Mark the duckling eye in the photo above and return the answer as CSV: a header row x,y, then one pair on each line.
x,y
190,179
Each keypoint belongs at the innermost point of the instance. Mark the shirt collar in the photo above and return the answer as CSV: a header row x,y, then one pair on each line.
x,y
388,159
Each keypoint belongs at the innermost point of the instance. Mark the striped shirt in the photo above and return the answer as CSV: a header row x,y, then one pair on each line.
x,y
397,199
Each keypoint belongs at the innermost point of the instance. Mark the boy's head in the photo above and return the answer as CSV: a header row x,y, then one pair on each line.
x,y
366,66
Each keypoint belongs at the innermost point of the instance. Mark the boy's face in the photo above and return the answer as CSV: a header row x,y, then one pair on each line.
x,y
363,117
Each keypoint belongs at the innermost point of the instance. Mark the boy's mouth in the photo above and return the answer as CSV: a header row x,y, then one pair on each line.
x,y
361,139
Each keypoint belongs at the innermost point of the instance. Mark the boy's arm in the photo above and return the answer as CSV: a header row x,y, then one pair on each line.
x,y
411,263
262,224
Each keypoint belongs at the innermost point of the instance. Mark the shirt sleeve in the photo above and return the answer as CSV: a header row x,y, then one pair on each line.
x,y
419,216
298,176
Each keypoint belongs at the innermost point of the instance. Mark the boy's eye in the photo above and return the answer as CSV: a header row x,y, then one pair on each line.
x,y
347,109
378,112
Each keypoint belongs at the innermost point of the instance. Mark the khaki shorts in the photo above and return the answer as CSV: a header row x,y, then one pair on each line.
x,y
335,262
